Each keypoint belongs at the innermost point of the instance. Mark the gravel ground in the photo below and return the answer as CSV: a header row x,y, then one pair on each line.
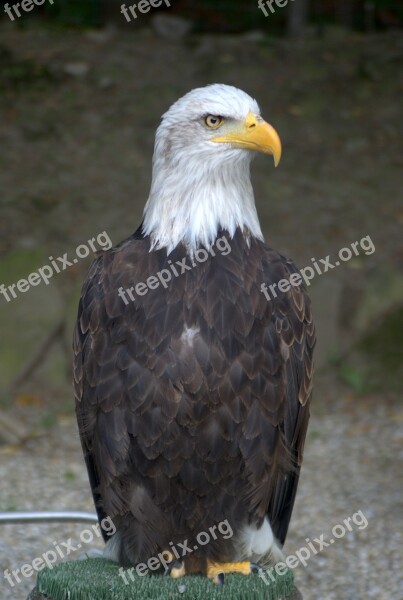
x,y
351,465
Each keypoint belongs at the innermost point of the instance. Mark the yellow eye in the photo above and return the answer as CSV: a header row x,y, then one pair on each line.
x,y
213,121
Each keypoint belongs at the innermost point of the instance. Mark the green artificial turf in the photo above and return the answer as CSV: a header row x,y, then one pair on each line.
x,y
99,579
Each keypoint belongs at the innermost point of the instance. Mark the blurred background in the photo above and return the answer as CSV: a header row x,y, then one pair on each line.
x,y
82,90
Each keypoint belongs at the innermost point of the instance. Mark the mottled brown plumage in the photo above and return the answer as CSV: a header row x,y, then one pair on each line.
x,y
183,430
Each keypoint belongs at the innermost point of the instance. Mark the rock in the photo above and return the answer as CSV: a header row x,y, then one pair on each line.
x,y
170,27
105,83
256,35
100,36
78,69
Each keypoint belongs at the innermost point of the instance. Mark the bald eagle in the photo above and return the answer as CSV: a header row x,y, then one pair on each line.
x,y
192,388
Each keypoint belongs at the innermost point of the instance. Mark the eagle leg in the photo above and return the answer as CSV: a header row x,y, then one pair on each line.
x,y
216,571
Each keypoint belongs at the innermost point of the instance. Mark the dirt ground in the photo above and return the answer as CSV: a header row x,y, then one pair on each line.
x,y
78,113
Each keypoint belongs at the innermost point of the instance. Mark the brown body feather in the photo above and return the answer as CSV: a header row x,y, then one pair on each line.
x,y
182,432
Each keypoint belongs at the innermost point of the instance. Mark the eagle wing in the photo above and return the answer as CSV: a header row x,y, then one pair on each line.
x,y
292,322
119,374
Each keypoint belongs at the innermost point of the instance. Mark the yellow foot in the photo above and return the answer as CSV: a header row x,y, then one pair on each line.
x,y
178,570
216,571
174,568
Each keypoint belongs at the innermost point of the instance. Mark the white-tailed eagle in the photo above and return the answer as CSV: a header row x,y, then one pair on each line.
x,y
192,388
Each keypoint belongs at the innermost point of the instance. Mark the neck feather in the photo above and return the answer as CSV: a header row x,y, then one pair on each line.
x,y
191,202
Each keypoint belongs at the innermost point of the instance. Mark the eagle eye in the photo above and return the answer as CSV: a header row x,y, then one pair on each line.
x,y
213,121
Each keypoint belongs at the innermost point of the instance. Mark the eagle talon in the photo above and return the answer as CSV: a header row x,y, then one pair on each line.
x,y
255,568
170,562
175,569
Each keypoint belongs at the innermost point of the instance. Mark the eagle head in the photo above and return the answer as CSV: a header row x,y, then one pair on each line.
x,y
201,181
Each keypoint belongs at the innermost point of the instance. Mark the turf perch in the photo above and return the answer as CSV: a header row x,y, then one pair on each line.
x,y
98,579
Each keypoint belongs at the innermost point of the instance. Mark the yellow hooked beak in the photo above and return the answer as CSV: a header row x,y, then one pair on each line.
x,y
254,134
